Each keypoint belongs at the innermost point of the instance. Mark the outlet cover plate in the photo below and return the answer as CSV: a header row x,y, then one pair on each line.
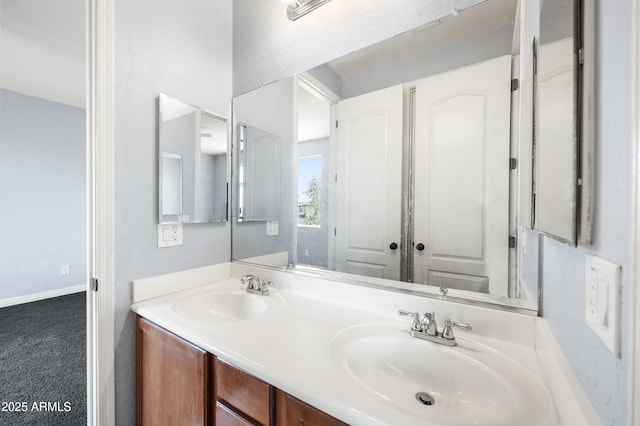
x,y
169,235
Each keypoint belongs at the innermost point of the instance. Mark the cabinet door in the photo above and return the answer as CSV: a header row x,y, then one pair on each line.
x,y
171,378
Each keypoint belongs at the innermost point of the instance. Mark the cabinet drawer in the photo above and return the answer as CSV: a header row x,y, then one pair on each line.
x,y
227,417
243,392
293,412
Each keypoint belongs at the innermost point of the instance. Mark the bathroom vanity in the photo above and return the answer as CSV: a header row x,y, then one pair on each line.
x,y
216,354
179,383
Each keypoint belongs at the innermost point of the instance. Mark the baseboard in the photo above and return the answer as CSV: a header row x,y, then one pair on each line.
x,y
19,300
572,404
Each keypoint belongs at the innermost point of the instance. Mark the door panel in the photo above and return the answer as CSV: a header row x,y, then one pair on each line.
x,y
369,175
462,177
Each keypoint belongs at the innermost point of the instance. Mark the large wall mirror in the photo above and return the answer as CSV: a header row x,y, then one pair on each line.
x,y
397,163
192,151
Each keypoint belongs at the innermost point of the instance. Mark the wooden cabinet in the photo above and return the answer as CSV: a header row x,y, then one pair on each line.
x,y
178,383
172,378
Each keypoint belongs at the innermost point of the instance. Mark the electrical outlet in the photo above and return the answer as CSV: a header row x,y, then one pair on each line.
x,y
602,300
170,235
272,228
64,270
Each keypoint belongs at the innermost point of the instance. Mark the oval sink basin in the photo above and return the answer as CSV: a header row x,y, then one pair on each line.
x,y
470,384
222,306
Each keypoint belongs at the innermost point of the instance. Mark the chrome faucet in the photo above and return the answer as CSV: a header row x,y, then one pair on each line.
x,y
255,285
425,327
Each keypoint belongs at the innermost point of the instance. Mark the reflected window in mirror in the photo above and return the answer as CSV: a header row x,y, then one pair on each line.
x,y
312,230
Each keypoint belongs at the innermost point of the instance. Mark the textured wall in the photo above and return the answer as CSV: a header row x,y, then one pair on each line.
x,y
606,379
182,49
267,46
42,193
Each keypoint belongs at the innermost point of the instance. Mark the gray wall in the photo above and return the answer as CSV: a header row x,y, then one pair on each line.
x,y
605,378
182,49
42,188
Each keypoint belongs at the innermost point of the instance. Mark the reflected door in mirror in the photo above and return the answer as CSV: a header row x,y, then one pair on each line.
x,y
369,175
461,155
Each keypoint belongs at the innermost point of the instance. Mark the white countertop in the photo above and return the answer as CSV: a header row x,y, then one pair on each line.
x,y
288,345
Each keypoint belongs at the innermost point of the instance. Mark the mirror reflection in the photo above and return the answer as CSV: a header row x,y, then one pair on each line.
x,y
556,176
402,157
193,147
258,174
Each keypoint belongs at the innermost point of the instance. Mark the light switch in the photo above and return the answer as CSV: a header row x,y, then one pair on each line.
x,y
602,300
169,235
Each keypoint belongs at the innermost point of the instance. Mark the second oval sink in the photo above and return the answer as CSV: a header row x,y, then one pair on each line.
x,y
467,384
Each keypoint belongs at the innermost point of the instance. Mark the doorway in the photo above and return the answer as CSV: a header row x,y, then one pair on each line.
x,y
43,169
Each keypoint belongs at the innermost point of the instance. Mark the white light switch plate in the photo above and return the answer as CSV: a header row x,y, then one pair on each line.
x,y
170,235
602,300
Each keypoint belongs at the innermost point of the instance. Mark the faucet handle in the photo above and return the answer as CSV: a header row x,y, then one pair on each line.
x,y
416,325
264,287
447,331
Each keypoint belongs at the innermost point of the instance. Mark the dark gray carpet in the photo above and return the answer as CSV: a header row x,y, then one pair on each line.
x,y
43,375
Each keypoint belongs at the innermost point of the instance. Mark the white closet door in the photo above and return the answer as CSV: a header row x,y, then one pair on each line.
x,y
369,178
462,178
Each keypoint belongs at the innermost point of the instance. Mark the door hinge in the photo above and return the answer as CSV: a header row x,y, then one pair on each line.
x,y
512,242
581,56
335,232
336,124
94,284
515,84
513,163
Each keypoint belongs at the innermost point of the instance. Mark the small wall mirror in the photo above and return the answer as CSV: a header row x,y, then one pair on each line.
x,y
556,155
193,147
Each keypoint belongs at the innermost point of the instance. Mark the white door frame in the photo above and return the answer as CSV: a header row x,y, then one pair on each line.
x,y
100,212
635,291
635,314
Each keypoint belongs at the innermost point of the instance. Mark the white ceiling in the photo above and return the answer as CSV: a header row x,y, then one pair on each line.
x,y
477,19
42,49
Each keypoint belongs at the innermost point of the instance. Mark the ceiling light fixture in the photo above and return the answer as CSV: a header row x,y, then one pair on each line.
x,y
299,8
